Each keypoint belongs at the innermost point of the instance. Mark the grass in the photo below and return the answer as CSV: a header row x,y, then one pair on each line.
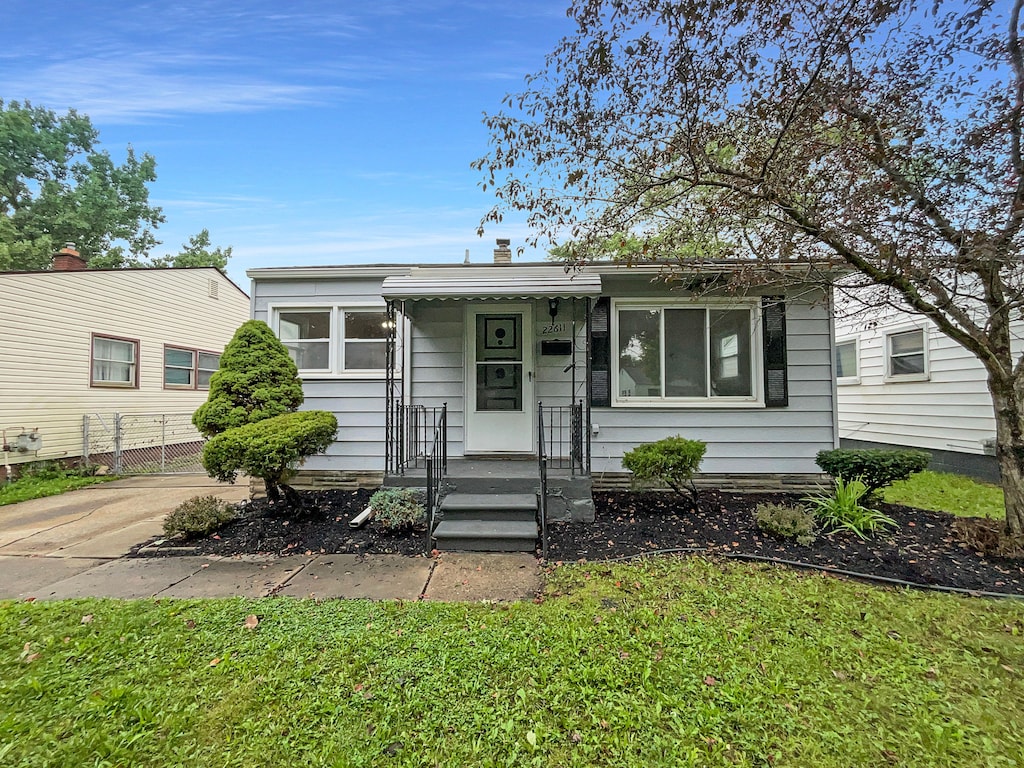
x,y
36,487
671,662
944,492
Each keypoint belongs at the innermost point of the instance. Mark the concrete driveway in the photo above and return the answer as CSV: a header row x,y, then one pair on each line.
x,y
73,545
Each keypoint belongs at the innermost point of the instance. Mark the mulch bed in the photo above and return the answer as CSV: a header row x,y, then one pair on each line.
x,y
923,549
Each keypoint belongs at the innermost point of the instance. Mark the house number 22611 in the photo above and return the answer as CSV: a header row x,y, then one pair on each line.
x,y
552,329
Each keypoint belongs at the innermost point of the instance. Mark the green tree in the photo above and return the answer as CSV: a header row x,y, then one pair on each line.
x,y
256,380
883,137
56,186
197,253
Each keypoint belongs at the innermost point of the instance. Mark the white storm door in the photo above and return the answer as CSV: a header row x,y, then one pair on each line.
x,y
499,380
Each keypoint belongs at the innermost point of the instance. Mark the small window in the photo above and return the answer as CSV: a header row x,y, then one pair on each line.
x,y
365,335
114,362
906,357
189,368
846,362
179,367
307,336
208,365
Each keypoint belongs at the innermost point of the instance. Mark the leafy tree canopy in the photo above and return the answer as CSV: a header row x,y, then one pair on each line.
x,y
882,136
57,187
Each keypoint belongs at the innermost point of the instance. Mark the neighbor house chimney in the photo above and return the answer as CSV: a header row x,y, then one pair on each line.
x,y
503,254
68,260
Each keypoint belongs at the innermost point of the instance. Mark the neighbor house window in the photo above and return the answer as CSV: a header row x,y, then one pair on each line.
x,y
189,368
846,362
906,356
334,340
684,353
114,362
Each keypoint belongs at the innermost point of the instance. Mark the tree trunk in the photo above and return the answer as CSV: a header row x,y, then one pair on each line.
x,y
273,493
1009,412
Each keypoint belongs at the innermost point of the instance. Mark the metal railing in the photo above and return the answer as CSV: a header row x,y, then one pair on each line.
x,y
415,429
436,461
542,467
564,434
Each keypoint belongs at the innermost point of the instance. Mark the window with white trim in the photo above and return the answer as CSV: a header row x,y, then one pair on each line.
x,y
189,368
906,355
847,355
684,353
114,362
334,340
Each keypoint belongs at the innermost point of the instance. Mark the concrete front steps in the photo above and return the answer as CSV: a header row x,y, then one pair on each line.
x,y
487,522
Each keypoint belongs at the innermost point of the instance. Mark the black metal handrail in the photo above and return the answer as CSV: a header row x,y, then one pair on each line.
x,y
542,466
415,429
563,427
436,461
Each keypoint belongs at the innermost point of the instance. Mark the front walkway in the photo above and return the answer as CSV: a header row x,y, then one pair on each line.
x,y
73,545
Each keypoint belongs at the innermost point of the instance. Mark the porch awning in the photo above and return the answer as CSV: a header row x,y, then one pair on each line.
x,y
491,282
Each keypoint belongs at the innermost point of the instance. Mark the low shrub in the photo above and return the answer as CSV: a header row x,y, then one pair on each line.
x,y
786,522
842,509
397,509
198,516
875,468
270,449
672,461
989,538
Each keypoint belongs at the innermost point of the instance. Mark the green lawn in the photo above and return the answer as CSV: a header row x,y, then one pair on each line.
x,y
948,493
666,663
32,487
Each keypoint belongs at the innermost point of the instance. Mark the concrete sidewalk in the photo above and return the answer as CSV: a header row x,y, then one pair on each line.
x,y
448,577
74,545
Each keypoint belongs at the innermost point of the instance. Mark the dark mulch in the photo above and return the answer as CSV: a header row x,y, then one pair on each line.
x,y
923,549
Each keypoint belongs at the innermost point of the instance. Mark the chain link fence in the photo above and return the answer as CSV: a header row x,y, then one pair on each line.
x,y
142,443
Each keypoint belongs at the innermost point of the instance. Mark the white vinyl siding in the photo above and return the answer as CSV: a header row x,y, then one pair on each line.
x,y
951,410
46,357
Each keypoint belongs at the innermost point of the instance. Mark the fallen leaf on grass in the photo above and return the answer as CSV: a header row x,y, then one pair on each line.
x,y
215,662
251,621
87,619
710,680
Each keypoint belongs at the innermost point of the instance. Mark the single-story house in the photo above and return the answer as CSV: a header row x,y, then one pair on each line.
x,y
902,383
604,357
109,364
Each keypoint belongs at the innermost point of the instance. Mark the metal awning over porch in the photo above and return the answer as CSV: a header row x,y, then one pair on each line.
x,y
491,282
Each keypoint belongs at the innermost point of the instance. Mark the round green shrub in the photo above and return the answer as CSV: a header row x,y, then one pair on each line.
x,y
198,516
786,522
256,380
876,468
672,461
270,449
397,509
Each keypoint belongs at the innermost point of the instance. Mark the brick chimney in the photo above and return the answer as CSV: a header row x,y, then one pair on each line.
x,y
67,259
503,254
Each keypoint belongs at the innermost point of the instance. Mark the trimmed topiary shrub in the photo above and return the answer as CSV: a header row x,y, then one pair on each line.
x,y
270,449
672,462
198,516
397,509
786,522
256,380
875,468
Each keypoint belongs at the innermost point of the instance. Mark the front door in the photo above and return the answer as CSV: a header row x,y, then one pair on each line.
x,y
499,380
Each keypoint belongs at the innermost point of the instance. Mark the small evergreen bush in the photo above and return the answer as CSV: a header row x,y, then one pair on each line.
x,y
397,509
786,522
198,516
672,461
874,467
842,509
270,449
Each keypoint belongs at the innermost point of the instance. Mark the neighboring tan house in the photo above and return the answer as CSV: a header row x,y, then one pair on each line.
x,y
607,356
78,346
903,383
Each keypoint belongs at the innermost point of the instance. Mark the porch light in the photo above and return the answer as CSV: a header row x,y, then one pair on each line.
x,y
553,308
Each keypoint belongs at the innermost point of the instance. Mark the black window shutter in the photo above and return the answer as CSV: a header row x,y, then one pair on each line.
x,y
776,380
600,354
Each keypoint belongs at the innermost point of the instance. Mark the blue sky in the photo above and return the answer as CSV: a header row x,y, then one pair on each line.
x,y
299,133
